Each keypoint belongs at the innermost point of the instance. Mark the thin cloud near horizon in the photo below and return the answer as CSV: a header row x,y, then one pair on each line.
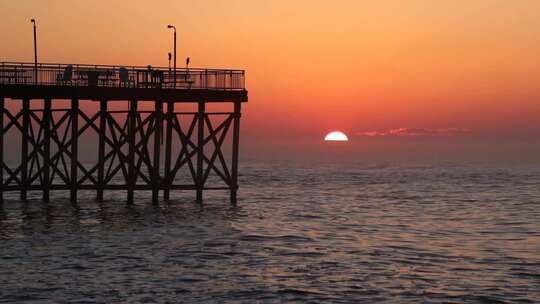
x,y
416,132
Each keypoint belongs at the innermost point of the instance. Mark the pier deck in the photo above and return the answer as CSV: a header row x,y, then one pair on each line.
x,y
46,110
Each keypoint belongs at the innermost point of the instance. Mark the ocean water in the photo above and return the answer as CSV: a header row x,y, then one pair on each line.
x,y
301,233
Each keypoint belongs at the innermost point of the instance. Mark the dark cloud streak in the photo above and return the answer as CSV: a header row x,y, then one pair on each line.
x,y
416,132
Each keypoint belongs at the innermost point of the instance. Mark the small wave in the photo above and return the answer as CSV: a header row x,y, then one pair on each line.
x,y
262,238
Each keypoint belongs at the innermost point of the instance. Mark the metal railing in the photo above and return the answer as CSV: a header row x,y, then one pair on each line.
x,y
84,75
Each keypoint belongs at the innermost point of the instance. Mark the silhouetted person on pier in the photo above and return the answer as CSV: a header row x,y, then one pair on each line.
x,y
124,77
156,77
67,76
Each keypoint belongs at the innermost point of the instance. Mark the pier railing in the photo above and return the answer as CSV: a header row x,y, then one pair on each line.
x,y
80,75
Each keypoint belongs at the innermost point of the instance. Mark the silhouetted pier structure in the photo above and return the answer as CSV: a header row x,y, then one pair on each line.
x,y
161,149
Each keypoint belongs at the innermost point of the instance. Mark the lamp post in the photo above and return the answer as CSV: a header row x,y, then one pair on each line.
x,y
174,63
35,51
170,57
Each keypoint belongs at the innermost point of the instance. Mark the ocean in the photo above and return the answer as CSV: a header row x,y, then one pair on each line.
x,y
302,232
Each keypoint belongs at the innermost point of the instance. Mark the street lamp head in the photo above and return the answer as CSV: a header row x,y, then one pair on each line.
x,y
33,20
171,26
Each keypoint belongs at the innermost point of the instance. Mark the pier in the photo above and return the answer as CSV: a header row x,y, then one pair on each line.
x,y
153,128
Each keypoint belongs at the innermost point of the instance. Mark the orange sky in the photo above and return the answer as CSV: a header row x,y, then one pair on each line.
x,y
314,66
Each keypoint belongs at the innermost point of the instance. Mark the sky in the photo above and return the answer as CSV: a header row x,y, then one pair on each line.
x,y
400,78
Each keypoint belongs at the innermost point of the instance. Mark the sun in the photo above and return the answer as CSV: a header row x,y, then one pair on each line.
x,y
336,136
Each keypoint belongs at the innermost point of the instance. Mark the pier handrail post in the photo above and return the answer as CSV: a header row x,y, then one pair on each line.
x,y
46,124
235,150
168,146
158,111
101,148
74,148
200,150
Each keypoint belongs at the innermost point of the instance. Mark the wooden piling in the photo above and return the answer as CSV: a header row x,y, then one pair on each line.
x,y
200,150
74,115
156,179
131,150
2,150
46,125
101,148
235,151
24,146
168,147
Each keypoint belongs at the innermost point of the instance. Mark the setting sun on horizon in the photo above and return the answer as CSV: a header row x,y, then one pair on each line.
x,y
336,136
